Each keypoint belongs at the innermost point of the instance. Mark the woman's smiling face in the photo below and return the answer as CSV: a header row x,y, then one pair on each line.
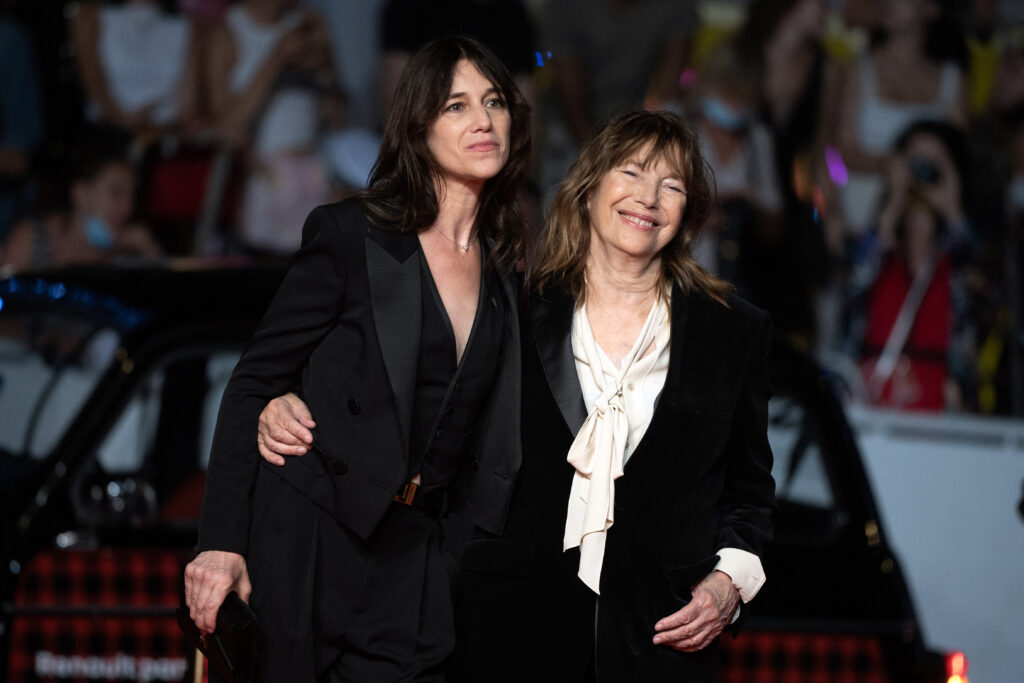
x,y
636,210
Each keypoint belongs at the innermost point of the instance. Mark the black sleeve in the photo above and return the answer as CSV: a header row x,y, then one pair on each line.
x,y
748,499
302,312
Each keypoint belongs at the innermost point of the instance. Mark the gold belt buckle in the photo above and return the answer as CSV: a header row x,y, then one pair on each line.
x,y
407,494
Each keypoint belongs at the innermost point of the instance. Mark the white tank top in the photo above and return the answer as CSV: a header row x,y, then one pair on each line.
x,y
879,124
142,53
290,117
253,43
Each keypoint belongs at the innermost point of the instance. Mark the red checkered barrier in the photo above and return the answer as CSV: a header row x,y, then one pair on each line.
x,y
786,657
103,615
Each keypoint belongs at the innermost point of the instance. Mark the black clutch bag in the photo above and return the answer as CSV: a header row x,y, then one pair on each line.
x,y
231,648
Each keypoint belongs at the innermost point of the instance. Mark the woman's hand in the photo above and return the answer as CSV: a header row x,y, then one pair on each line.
x,y
284,429
208,580
695,626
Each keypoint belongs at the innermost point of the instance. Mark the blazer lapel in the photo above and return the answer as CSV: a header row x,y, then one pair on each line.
x,y
676,389
551,319
394,275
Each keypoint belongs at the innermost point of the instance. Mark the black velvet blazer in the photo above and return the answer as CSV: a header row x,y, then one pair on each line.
x,y
344,326
699,480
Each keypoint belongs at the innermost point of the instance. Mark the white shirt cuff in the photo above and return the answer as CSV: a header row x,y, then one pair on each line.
x,y
744,569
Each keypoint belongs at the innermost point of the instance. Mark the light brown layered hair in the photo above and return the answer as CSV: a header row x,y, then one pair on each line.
x,y
645,137
401,194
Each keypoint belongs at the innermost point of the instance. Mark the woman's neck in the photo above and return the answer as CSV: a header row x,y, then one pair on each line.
x,y
622,282
457,206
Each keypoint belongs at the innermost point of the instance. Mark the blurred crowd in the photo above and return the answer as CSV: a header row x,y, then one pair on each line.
x,y
868,155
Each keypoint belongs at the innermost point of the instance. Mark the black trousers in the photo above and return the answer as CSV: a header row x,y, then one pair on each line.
x,y
333,607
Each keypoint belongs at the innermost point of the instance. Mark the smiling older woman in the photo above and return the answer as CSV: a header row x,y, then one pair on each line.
x,y
392,319
645,491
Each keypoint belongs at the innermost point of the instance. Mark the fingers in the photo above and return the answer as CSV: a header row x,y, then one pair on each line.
x,y
683,623
204,612
283,429
244,587
676,619
697,624
268,453
700,640
208,579
288,420
292,437
691,628
690,638
292,433
300,411
205,594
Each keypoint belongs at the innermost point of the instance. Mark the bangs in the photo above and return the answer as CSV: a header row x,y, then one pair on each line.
x,y
659,147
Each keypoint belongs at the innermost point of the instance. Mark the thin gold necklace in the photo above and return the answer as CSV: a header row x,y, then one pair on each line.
x,y
460,245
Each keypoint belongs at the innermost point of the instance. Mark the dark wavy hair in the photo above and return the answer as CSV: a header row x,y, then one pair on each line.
x,y
565,243
401,192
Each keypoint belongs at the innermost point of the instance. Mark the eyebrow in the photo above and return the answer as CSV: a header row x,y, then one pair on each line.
x,y
456,95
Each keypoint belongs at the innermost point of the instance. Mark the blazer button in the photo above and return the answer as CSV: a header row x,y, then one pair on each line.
x,y
338,467
354,407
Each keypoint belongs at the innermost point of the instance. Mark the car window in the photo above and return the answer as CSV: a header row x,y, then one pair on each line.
x,y
50,362
149,467
799,471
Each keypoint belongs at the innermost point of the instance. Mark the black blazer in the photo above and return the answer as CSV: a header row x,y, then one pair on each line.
x,y
344,327
699,480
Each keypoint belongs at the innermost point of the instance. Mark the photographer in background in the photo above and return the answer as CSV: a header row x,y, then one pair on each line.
x,y
910,278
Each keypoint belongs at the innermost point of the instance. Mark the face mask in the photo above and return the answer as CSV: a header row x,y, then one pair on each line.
x,y
98,233
722,115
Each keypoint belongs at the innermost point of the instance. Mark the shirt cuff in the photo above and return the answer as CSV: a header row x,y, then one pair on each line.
x,y
745,570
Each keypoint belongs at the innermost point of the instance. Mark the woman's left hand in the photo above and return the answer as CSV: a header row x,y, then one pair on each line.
x,y
284,428
695,626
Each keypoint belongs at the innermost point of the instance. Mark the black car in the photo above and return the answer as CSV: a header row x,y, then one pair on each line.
x,y
109,385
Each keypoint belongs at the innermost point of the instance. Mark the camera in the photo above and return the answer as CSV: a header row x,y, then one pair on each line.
x,y
922,170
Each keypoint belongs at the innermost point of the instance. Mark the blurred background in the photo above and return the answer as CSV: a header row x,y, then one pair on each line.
x,y
868,157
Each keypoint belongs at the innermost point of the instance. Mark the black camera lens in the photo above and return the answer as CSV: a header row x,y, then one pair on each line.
x,y
924,171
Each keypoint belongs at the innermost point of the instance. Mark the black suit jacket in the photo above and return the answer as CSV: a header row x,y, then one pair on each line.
x,y
344,326
699,480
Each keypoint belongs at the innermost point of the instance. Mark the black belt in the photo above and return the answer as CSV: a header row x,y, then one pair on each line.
x,y
433,503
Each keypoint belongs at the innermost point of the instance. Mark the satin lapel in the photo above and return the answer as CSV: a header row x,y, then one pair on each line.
x,y
551,319
676,389
394,275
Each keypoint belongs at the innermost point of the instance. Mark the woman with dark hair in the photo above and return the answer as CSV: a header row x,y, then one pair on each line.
x,y
397,323
645,491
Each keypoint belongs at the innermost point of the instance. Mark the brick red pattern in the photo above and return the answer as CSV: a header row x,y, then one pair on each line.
x,y
767,657
98,615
